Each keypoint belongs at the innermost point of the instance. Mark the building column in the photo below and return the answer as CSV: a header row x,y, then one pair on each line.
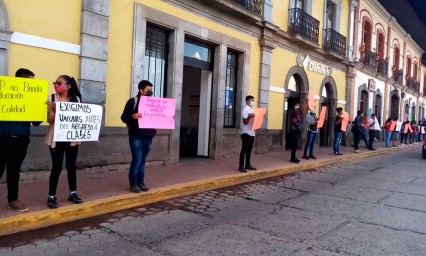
x,y
94,50
350,90
351,48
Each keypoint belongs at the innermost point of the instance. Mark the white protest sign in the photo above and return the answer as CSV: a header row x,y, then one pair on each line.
x,y
77,121
376,125
398,126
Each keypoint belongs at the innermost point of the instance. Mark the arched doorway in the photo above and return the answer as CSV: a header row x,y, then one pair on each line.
x,y
394,105
328,99
363,102
296,86
378,107
413,111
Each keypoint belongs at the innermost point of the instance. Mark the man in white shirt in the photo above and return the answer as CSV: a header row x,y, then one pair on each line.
x,y
371,131
247,135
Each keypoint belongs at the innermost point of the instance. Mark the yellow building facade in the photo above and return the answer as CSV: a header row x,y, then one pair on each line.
x,y
206,54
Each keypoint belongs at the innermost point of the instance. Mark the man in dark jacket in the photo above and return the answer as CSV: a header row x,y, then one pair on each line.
x,y
14,140
140,139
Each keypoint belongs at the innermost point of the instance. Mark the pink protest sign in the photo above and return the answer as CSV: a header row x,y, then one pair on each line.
x,y
259,113
322,117
157,113
311,100
345,121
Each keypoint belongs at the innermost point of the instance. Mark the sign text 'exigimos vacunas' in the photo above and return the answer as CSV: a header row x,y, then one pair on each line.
x,y
23,99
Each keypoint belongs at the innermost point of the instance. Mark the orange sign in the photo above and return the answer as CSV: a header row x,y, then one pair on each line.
x,y
392,126
345,121
259,113
311,100
322,117
366,122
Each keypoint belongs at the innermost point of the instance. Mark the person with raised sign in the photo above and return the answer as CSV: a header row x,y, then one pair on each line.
x,y
247,135
388,131
14,140
371,131
297,127
338,133
66,91
140,139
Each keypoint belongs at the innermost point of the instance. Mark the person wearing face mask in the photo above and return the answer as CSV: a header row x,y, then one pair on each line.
x,y
338,132
356,130
296,129
140,139
66,91
312,121
247,135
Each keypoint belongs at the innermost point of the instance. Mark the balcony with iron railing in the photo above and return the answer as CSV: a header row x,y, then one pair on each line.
x,y
254,6
304,25
368,58
416,86
334,42
409,82
382,67
249,10
397,75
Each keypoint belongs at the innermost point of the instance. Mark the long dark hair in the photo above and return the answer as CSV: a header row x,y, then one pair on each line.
x,y
73,91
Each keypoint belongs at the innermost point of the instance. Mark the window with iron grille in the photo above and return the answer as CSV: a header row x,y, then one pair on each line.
x,y
230,89
155,61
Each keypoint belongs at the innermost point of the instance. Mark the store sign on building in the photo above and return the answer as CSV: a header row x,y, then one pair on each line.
x,y
371,84
312,66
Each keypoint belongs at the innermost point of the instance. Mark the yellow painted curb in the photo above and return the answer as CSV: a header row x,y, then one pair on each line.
x,y
44,218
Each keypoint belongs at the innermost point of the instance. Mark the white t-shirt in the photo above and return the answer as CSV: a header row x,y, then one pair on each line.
x,y
247,128
370,122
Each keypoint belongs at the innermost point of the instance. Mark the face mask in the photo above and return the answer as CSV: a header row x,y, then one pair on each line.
x,y
149,93
252,104
60,89
296,107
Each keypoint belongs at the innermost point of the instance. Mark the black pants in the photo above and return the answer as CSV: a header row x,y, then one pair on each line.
x,y
294,138
371,136
357,136
12,153
57,155
246,147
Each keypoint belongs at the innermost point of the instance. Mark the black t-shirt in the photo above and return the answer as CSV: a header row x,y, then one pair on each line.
x,y
338,127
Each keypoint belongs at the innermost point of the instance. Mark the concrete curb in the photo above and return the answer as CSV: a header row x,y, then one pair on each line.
x,y
49,217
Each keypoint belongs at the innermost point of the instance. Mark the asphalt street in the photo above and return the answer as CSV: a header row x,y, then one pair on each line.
x,y
375,206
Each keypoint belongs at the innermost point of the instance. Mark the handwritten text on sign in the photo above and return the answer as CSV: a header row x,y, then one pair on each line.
x,y
157,113
77,121
23,99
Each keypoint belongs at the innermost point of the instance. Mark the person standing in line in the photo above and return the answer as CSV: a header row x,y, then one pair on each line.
x,y
14,141
402,132
371,131
362,131
66,91
296,129
338,132
247,135
408,134
415,128
388,132
140,139
312,121
356,130
394,134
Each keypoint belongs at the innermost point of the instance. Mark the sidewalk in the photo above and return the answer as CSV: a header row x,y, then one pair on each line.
x,y
108,192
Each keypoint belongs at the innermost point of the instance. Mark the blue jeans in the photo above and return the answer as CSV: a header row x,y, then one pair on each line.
x,y
140,148
337,141
310,143
388,137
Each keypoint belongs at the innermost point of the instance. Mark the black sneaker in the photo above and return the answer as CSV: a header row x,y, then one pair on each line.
x,y
296,161
241,169
73,198
142,187
305,157
312,157
52,202
250,167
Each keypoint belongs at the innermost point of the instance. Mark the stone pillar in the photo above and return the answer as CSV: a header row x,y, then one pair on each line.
x,y
94,50
350,90
174,90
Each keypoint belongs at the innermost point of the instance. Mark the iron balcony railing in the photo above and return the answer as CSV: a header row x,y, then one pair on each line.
x,y
335,42
382,67
255,6
409,82
369,59
304,24
398,75
416,86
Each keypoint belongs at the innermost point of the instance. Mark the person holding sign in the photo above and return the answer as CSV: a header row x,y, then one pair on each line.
x,y
66,91
247,135
297,127
357,129
312,121
371,131
338,132
140,139
388,130
14,140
